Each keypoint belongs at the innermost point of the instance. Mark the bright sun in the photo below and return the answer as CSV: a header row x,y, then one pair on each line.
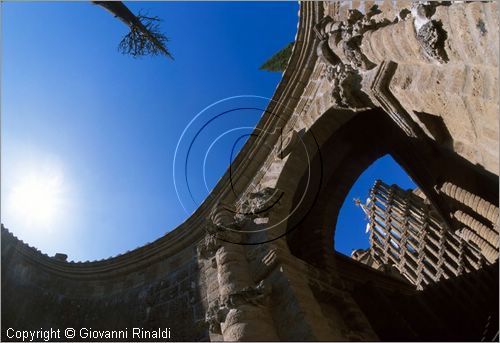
x,y
36,198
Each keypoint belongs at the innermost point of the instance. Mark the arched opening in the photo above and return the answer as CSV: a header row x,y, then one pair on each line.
x,y
350,233
392,304
345,153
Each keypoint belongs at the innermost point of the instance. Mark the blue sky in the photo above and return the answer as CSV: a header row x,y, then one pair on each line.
x,y
101,128
351,223
104,126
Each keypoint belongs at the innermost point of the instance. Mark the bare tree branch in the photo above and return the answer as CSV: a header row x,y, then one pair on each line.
x,y
144,38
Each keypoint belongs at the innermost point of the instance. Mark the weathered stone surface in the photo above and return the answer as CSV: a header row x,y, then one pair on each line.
x,y
256,260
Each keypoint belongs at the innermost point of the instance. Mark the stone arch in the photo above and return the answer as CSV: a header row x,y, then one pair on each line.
x,y
344,144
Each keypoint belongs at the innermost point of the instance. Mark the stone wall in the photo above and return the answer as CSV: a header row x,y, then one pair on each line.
x,y
168,293
256,260
166,283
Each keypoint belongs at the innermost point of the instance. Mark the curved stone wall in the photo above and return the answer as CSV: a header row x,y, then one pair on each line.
x,y
430,101
159,285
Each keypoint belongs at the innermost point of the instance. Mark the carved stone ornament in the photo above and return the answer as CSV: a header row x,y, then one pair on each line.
x,y
208,246
258,203
215,316
256,295
340,42
218,310
340,48
430,33
343,77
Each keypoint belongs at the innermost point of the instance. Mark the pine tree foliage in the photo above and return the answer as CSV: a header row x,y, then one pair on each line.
x,y
279,60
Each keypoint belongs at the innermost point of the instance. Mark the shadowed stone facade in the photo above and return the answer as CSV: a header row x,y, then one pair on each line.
x,y
256,261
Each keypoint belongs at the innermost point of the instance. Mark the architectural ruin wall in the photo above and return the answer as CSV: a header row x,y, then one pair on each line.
x,y
419,83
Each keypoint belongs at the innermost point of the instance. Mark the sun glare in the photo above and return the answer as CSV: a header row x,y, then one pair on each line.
x,y
36,198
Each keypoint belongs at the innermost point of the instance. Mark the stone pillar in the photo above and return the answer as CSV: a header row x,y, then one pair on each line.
x,y
472,201
247,317
239,312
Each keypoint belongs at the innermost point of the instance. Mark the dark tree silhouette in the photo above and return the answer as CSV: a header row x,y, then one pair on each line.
x,y
279,60
144,38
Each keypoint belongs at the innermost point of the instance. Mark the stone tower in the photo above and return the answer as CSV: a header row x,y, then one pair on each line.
x,y
407,234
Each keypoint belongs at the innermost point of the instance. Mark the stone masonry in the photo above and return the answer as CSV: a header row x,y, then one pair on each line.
x,y
256,261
